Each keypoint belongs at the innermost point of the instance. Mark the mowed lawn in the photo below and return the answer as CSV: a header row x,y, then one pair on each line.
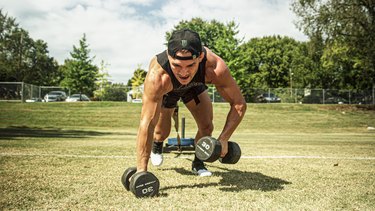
x,y
71,156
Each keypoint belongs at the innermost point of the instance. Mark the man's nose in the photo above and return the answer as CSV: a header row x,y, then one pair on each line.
x,y
184,71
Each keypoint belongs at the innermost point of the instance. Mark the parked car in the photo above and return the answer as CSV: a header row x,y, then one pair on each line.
x,y
137,101
33,100
54,96
268,98
335,100
77,97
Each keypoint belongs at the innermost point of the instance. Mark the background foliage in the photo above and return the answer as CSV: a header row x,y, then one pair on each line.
x,y
80,72
342,35
339,54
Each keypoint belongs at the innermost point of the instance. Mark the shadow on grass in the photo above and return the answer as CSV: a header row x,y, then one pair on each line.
x,y
236,181
25,132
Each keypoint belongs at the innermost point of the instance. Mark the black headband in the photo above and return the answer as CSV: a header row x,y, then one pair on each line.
x,y
185,57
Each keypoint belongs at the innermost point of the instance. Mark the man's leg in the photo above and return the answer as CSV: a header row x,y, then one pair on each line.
x,y
203,115
162,130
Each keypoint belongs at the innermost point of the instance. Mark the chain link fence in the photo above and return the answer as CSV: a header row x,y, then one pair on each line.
x,y
23,92
306,96
311,96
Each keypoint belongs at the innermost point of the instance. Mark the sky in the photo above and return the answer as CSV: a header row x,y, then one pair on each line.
x,y
126,34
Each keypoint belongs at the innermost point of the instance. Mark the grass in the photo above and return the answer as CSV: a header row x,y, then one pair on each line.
x,y
70,156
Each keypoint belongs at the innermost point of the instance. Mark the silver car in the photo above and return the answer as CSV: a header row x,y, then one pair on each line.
x,y
55,96
268,98
77,97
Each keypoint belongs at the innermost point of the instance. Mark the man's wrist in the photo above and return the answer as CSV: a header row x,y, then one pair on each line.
x,y
221,138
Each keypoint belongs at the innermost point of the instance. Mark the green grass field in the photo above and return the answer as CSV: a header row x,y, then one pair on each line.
x,y
70,156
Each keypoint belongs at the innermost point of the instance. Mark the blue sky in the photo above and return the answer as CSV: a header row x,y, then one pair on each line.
x,y
128,33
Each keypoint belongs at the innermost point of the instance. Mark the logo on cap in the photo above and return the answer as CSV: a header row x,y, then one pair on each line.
x,y
184,43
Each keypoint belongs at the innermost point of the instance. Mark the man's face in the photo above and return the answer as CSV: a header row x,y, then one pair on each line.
x,y
184,70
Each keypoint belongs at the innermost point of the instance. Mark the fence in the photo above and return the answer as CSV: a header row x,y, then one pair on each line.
x,y
308,96
19,91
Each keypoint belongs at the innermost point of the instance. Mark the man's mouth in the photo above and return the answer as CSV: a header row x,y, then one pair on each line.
x,y
184,77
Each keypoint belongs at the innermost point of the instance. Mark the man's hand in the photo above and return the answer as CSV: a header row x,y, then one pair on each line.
x,y
209,149
224,148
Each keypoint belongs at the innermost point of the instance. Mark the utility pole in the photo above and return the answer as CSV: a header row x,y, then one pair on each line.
x,y
19,72
373,94
291,82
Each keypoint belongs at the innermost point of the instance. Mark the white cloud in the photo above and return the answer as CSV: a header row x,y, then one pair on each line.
x,y
256,18
127,33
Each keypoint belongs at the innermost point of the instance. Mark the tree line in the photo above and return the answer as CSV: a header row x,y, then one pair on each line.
x,y
339,53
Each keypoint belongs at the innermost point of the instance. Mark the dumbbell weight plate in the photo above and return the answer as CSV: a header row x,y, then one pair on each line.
x,y
144,184
126,176
233,155
208,149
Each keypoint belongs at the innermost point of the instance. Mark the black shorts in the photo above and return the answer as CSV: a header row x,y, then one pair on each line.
x,y
170,100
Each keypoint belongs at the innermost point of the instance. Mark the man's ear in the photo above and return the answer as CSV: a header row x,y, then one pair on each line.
x,y
201,56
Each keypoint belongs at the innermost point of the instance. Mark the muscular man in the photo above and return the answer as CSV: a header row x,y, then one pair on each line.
x,y
181,72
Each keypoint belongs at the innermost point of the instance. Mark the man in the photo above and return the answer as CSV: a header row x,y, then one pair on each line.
x,y
182,72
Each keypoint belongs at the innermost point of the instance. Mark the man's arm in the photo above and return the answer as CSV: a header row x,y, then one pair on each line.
x,y
219,75
154,89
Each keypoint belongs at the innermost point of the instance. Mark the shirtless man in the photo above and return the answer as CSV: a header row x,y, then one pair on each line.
x,y
182,72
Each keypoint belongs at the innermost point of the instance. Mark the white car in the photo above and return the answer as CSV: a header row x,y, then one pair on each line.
x,y
54,96
77,97
33,100
268,98
137,101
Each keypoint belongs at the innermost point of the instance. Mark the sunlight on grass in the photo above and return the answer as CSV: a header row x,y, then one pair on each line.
x,y
296,157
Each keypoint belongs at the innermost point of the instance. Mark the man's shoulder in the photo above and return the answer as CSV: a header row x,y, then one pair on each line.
x,y
157,76
156,68
216,69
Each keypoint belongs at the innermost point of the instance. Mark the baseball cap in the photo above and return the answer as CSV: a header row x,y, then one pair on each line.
x,y
185,39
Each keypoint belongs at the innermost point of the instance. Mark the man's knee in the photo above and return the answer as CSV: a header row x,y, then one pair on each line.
x,y
161,135
206,129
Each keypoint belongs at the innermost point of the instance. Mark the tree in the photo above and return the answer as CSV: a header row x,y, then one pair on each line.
x,y
79,72
22,58
102,82
115,92
273,62
346,28
137,80
43,70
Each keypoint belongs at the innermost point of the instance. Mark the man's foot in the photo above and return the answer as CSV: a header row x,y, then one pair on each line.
x,y
199,169
157,154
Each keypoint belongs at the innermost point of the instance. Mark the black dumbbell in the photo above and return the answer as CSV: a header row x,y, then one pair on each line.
x,y
233,155
141,184
125,179
208,149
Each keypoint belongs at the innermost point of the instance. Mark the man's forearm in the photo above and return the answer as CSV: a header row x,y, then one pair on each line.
x,y
235,116
144,145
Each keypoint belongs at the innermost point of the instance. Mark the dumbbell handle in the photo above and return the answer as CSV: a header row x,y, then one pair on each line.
x,y
233,155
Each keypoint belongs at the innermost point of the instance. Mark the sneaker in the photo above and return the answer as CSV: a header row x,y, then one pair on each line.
x,y
199,169
157,154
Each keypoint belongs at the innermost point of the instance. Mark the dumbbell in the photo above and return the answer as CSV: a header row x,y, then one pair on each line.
x,y
141,184
208,149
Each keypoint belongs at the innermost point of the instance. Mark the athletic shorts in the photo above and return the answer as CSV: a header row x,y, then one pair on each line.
x,y
170,100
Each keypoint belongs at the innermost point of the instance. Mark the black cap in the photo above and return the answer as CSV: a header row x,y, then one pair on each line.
x,y
185,39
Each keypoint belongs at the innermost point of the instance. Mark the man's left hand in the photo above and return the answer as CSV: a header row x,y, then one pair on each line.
x,y
224,148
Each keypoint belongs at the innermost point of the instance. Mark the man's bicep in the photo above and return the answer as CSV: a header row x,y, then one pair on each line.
x,y
228,88
230,93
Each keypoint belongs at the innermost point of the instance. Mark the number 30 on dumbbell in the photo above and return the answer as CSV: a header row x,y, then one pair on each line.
x,y
141,184
208,149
